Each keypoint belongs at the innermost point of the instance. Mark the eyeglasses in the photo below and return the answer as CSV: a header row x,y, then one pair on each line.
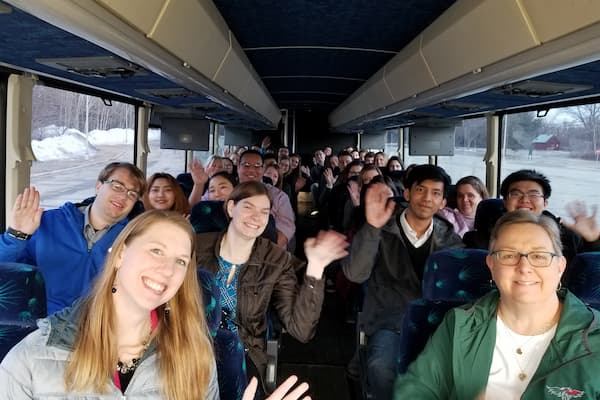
x,y
248,165
518,195
119,187
538,259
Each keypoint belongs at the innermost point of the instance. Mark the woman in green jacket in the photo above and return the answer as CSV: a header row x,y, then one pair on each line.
x,y
530,339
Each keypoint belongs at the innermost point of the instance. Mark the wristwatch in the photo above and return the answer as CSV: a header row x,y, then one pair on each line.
x,y
18,234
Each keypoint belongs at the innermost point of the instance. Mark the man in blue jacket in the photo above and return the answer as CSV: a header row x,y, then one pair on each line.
x,y
69,244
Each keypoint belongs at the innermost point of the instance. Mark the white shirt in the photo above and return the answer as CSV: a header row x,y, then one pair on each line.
x,y
411,234
503,381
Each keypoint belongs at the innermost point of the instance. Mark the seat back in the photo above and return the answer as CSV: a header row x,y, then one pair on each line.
x,y
451,278
22,302
584,278
488,212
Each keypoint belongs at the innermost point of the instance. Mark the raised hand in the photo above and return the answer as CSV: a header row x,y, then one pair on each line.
x,y
378,206
584,225
354,192
199,175
281,393
329,178
26,213
266,142
304,169
320,251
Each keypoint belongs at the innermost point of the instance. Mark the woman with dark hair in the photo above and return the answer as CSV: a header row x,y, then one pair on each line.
x,y
140,333
164,193
253,273
220,186
470,190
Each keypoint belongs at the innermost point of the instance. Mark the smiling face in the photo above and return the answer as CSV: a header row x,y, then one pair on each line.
x,y
250,168
219,188
110,206
467,199
272,173
161,195
249,216
425,199
151,268
526,195
523,283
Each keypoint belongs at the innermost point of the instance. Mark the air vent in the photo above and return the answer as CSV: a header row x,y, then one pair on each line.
x,y
95,67
540,89
169,93
462,106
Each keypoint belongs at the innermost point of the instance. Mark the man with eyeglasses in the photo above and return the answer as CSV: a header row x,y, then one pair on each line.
x,y
69,244
530,190
251,168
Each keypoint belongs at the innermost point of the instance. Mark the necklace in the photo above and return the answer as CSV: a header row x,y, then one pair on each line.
x,y
126,368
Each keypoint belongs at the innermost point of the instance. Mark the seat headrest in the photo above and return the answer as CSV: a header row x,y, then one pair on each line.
x,y
456,275
584,278
23,292
208,216
488,212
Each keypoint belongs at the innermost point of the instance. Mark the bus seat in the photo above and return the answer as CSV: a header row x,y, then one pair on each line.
x,y
451,278
186,182
22,302
584,279
488,212
229,350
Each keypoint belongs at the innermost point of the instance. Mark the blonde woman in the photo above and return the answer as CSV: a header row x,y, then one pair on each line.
x,y
140,333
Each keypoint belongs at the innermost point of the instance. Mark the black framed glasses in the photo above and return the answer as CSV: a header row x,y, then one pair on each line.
x,y
119,187
518,195
538,259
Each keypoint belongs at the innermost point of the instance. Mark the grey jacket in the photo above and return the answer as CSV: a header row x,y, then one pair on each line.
x,y
35,367
380,257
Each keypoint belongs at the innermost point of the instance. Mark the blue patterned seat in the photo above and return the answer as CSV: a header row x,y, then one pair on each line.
x,y
451,278
584,278
229,350
22,302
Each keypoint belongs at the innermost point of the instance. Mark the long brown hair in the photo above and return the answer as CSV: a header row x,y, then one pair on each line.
x,y
180,205
183,342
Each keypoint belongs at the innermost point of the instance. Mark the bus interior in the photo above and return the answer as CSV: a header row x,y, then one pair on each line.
x,y
308,74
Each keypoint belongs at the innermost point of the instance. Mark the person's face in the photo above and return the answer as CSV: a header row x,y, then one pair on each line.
x,y
525,195
151,268
368,176
355,155
319,157
161,195
273,174
354,170
249,216
334,161
219,188
294,162
425,199
344,161
380,160
251,168
395,166
284,166
283,152
235,158
228,165
523,283
114,201
215,166
327,151
369,160
467,199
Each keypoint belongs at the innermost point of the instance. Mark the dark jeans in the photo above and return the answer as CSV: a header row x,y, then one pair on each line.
x,y
382,363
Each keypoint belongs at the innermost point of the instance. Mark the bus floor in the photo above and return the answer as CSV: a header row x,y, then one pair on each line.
x,y
322,362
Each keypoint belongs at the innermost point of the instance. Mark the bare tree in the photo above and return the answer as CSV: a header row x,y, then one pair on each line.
x,y
588,116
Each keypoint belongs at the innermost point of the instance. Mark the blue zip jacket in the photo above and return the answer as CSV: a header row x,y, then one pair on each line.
x,y
60,251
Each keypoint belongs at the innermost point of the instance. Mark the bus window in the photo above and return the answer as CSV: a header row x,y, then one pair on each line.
x,y
470,142
73,137
163,160
564,146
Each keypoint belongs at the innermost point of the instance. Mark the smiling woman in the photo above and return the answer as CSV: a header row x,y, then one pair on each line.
x,y
530,339
253,273
142,326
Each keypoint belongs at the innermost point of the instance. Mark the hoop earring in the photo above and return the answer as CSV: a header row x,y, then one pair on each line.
x,y
492,283
167,310
559,286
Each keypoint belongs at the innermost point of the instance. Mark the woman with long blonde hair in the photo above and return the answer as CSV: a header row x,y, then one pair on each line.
x,y
141,332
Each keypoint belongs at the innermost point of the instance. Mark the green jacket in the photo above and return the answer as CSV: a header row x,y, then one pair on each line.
x,y
456,361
